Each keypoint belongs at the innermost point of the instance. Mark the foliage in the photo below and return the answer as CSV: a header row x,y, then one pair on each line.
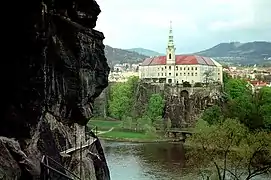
x,y
235,143
159,123
122,98
198,84
155,106
237,88
264,101
208,76
226,77
212,114
186,84
127,122
150,130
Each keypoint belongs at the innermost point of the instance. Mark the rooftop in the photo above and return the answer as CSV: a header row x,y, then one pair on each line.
x,y
181,60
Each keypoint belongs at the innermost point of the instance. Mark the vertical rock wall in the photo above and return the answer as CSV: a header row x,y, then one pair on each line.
x,y
55,69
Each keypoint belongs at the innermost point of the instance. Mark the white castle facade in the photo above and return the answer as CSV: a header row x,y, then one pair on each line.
x,y
176,69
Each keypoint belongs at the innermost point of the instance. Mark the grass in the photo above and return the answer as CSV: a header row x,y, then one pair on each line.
x,y
104,124
119,134
129,135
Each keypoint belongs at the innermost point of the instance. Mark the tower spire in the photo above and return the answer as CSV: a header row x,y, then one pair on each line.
x,y
170,36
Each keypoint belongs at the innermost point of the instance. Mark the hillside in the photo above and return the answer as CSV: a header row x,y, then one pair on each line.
x,y
145,52
244,53
115,55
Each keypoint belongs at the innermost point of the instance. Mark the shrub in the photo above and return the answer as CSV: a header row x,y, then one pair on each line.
x,y
198,84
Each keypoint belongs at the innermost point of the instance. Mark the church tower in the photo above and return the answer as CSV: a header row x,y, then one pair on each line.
x,y
170,47
170,58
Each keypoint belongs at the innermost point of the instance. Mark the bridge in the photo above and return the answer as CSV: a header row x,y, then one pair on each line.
x,y
181,132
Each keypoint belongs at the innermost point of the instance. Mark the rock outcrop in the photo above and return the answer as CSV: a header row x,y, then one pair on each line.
x,y
55,68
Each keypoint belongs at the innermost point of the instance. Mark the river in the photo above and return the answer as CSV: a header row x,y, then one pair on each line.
x,y
151,161
145,161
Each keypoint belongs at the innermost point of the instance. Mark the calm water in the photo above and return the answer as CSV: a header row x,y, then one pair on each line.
x,y
152,161
145,161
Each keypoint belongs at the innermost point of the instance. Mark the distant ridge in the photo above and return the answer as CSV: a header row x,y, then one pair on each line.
x,y
244,53
115,56
146,52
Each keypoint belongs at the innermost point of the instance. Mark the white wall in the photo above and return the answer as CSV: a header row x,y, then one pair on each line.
x,y
181,73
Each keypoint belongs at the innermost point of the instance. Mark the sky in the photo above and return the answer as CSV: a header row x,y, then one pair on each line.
x,y
197,24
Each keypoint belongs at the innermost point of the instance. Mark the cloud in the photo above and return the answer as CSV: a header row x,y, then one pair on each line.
x,y
197,24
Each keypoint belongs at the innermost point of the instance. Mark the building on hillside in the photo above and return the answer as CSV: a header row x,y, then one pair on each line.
x,y
176,69
121,76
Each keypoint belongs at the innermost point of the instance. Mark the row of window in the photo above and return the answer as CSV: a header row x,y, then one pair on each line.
x,y
180,74
192,68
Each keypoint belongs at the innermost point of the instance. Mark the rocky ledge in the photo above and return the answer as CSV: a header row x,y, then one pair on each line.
x,y
55,68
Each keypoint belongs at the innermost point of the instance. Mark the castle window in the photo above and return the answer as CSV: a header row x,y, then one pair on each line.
x,y
196,68
180,68
184,68
165,67
162,74
196,74
169,74
180,74
184,74
169,56
158,68
158,74
192,74
169,67
176,67
192,68
188,68
176,74
162,69
187,74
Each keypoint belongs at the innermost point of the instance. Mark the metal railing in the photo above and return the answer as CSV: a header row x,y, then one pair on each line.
x,y
52,170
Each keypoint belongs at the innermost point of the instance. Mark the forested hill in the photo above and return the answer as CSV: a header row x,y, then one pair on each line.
x,y
244,53
115,55
146,52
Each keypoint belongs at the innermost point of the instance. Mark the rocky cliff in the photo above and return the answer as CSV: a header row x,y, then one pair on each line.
x,y
183,105
55,68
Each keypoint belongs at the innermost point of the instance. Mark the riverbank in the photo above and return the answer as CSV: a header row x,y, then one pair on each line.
x,y
112,131
133,137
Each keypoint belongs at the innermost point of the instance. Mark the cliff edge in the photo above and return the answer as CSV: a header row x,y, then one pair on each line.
x,y
55,69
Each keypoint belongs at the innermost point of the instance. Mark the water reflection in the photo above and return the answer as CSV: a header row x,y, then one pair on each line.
x,y
155,161
146,161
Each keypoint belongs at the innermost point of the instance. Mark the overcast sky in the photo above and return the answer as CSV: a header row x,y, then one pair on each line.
x,y
197,24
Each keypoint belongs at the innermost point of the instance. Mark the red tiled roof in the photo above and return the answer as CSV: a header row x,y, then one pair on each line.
x,y
258,83
180,60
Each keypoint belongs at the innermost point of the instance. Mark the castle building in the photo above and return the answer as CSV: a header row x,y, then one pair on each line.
x,y
176,69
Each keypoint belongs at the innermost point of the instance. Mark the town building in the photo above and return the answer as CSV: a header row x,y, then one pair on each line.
x,y
176,69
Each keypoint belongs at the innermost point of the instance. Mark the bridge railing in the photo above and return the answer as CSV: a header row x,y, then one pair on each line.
x,y
52,170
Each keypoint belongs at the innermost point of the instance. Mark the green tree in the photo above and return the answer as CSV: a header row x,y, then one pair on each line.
x,y
236,88
238,148
264,103
155,106
212,115
122,98
226,77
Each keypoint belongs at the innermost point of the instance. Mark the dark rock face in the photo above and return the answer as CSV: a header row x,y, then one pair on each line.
x,y
56,68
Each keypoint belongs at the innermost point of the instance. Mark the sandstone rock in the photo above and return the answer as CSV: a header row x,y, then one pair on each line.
x,y
56,68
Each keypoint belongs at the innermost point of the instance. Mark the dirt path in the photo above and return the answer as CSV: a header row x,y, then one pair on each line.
x,y
103,132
